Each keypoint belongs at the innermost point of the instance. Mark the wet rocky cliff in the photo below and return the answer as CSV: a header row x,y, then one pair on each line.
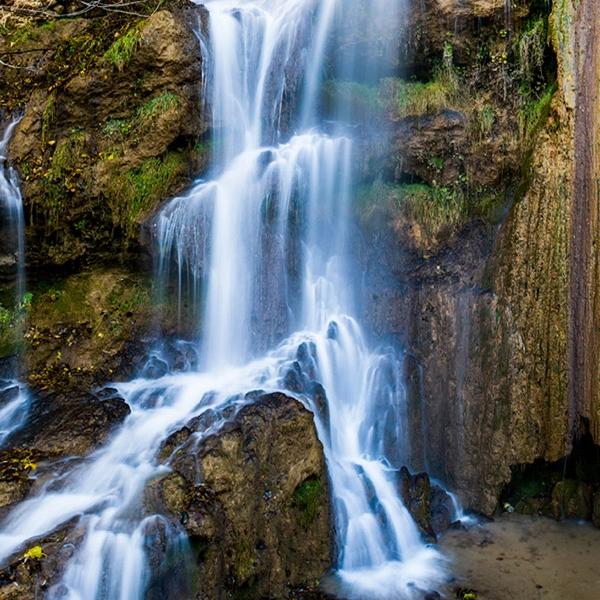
x,y
494,299
479,198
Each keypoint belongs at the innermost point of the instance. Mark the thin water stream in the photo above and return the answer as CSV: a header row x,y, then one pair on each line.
x,y
13,394
277,194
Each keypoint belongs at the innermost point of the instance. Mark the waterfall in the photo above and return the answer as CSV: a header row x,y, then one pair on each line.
x,y
262,249
13,395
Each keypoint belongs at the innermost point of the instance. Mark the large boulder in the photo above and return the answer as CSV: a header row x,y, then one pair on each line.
x,y
253,500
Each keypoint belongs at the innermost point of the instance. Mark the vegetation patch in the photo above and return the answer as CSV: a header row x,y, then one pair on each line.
x,y
131,195
122,51
412,99
307,498
72,321
533,114
17,464
34,553
11,325
415,98
139,123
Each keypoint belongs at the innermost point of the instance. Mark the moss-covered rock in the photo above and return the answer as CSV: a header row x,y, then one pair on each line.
x,y
110,127
80,332
34,569
571,499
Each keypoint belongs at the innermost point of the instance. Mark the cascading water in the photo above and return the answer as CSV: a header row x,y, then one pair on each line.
x,y
14,395
229,243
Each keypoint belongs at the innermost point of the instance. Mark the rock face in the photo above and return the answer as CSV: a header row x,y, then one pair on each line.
x,y
110,127
486,313
62,426
253,500
58,426
430,506
30,575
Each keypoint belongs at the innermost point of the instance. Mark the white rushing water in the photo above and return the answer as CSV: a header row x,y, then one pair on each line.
x,y
13,394
272,200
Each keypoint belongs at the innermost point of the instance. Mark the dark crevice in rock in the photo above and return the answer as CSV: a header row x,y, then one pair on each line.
x,y
565,489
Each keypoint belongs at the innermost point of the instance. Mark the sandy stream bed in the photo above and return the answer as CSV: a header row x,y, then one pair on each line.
x,y
517,557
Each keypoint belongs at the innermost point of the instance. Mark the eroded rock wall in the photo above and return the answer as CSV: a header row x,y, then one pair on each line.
x,y
499,323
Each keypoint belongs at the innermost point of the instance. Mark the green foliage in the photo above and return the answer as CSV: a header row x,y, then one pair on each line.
x,y
125,301
116,128
63,174
133,193
485,116
307,498
77,53
158,105
529,47
5,316
122,51
11,322
534,113
466,594
25,303
67,155
141,120
433,207
414,98
434,211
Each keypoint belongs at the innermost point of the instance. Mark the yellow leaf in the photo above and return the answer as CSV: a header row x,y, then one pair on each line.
x,y
35,553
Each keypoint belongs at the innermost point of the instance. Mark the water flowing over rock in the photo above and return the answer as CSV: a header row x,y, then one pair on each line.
x,y
373,276
260,250
13,410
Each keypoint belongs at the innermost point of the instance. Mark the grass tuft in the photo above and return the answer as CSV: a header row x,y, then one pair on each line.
x,y
122,51
133,193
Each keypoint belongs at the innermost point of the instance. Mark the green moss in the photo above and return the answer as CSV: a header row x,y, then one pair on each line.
x,y
63,175
11,326
133,193
117,128
140,122
530,47
533,115
244,561
158,105
67,155
431,207
122,51
307,498
78,53
485,117
413,98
